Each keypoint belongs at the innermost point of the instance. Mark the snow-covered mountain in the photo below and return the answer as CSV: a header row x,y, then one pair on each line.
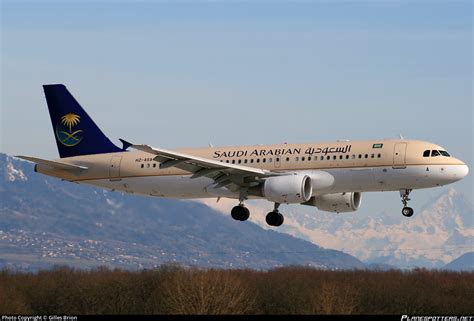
x,y
438,233
45,221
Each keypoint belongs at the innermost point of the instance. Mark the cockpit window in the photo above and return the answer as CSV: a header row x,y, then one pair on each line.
x,y
444,153
434,153
426,153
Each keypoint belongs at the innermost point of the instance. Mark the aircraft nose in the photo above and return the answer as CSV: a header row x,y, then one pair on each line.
x,y
458,172
463,170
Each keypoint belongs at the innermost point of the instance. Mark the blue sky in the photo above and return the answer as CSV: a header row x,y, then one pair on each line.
x,y
182,73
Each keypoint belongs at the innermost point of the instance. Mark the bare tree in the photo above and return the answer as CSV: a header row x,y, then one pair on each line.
x,y
205,292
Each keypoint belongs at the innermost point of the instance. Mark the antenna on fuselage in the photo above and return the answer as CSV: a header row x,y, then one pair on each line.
x,y
401,136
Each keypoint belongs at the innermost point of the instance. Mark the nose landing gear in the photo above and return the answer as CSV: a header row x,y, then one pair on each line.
x,y
406,211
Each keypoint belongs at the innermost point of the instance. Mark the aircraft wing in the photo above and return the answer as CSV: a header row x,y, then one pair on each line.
x,y
224,174
55,164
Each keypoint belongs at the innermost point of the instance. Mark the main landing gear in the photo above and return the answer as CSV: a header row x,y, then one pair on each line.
x,y
406,211
240,212
274,218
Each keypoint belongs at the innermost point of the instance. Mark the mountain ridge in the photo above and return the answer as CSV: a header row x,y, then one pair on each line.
x,y
440,231
44,221
463,263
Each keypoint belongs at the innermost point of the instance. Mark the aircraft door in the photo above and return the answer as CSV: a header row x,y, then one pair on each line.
x,y
114,169
399,154
277,161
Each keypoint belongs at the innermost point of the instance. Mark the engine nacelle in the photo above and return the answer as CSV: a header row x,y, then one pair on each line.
x,y
288,189
338,202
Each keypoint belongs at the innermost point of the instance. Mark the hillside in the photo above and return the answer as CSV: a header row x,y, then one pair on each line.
x,y
463,263
44,221
439,232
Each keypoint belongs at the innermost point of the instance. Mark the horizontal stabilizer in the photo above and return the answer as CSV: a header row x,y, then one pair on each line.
x,y
55,164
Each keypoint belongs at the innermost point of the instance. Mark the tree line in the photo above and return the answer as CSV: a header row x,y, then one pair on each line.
x,y
287,290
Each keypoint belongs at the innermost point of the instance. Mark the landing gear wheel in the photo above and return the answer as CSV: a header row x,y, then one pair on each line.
x,y
280,221
271,218
246,215
407,211
240,213
274,219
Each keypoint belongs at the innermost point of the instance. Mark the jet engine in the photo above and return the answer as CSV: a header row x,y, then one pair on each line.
x,y
288,189
338,202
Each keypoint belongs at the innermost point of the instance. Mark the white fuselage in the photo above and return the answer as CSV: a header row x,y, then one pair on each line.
x,y
335,169
367,179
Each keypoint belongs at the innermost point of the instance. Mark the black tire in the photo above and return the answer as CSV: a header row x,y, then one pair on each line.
x,y
245,214
240,213
236,212
271,218
280,220
407,211
274,219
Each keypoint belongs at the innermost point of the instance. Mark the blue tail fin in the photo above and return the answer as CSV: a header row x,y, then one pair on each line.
x,y
75,132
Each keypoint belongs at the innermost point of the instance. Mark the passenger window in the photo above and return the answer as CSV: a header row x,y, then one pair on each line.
x,y
302,158
434,153
379,155
245,161
251,161
287,159
258,160
328,157
340,157
366,156
142,166
148,165
426,153
353,156
360,155
269,160
347,156
309,158
334,157
227,161
322,157
233,161
444,153
154,165
264,160
277,159
372,156
296,158
240,161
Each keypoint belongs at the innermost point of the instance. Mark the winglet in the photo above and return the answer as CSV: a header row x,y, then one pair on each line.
x,y
125,144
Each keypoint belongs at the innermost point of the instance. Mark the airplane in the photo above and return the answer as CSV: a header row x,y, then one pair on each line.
x,y
327,175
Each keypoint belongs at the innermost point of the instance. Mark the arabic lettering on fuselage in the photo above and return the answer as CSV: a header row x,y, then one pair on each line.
x,y
281,151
